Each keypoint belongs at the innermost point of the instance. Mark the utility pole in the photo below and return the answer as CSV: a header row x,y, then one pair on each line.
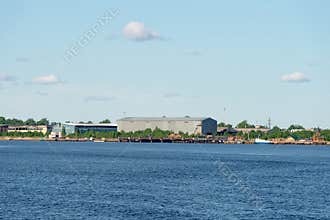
x,y
269,123
248,132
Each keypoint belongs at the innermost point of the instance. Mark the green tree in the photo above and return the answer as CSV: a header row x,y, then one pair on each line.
x,y
295,127
31,122
299,135
14,122
105,121
63,132
3,121
224,125
244,124
325,134
43,121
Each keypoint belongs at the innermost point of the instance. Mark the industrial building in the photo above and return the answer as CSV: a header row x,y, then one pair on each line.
x,y
56,131
190,125
29,128
71,128
3,128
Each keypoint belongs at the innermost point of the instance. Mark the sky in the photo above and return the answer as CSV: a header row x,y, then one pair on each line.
x,y
230,60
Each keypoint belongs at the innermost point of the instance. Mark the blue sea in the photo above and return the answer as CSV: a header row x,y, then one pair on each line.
x,y
43,180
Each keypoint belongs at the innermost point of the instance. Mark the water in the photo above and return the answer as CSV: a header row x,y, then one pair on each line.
x,y
40,180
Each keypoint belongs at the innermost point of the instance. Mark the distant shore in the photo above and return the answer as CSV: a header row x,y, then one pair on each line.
x,y
158,140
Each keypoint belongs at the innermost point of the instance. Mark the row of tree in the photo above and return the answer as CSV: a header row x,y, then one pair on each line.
x,y
18,122
23,134
148,133
33,122
325,134
245,124
242,124
273,134
105,121
276,132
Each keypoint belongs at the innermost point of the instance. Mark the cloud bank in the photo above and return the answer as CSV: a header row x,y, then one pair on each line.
x,y
46,80
138,32
295,77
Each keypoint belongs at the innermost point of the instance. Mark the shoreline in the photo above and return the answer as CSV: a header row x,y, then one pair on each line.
x,y
155,140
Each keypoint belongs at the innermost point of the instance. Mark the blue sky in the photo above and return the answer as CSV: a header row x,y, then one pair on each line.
x,y
231,60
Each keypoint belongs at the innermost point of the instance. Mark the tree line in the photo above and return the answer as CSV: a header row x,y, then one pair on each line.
x,y
19,122
297,132
33,122
23,134
148,133
246,124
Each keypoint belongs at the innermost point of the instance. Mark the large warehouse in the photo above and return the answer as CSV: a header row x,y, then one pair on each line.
x,y
190,125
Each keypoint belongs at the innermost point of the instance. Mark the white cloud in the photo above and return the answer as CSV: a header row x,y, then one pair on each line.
x,y
194,52
6,78
295,77
46,80
22,59
98,98
172,95
42,93
138,32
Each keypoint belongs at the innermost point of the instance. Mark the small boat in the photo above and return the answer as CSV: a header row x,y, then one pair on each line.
x,y
98,141
261,141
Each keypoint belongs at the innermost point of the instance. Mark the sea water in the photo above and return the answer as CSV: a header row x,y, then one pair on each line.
x,y
57,180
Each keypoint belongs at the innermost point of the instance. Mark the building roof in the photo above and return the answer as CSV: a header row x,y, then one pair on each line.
x,y
28,126
252,129
91,125
164,118
227,129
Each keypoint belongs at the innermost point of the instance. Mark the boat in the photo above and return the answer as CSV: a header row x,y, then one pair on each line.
x,y
262,141
98,141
